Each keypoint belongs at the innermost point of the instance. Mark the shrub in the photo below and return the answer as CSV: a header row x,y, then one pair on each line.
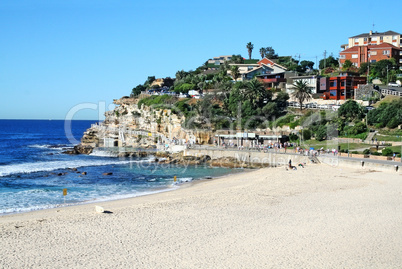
x,y
321,133
306,134
366,152
293,137
387,152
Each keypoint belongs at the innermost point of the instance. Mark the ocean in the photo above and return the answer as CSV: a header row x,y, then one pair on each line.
x,y
34,171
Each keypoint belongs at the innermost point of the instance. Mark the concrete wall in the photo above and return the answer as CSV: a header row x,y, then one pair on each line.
x,y
273,159
280,159
392,167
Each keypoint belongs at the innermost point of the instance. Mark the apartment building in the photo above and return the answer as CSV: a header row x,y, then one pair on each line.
x,y
370,54
372,47
374,38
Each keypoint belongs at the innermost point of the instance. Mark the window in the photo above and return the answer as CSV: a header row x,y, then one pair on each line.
x,y
365,39
373,52
354,56
381,38
342,57
332,93
374,38
373,61
332,83
394,37
385,52
356,40
342,83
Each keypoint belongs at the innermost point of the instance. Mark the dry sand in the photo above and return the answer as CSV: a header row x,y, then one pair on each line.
x,y
316,217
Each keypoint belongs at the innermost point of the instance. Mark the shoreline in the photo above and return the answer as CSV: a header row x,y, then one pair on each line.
x,y
172,187
317,216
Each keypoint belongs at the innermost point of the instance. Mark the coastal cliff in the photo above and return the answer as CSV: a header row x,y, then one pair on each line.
x,y
131,125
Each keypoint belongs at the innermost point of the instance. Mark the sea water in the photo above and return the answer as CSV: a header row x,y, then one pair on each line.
x,y
34,171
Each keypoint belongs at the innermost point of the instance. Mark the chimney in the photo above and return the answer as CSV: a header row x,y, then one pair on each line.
x,y
371,32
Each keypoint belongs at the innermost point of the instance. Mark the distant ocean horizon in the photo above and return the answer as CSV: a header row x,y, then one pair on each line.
x,y
34,170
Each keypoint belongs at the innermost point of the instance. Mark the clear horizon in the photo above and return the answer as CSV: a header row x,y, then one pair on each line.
x,y
71,59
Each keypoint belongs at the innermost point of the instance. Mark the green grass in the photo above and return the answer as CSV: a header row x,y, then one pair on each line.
x,y
396,149
334,144
393,138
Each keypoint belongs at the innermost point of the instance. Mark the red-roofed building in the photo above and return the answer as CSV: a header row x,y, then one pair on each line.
x,y
370,53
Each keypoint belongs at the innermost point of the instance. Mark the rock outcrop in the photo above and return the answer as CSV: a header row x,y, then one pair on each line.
x,y
129,125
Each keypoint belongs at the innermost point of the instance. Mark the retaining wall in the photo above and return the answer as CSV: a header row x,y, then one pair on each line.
x,y
258,157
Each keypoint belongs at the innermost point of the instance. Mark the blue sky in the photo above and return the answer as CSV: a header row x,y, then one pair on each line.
x,y
67,58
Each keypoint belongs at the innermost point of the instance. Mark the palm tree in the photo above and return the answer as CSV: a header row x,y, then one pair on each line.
x,y
254,91
250,48
234,71
262,52
302,92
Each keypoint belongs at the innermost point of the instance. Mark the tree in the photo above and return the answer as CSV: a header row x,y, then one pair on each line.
x,y
321,133
363,70
234,72
281,99
329,62
270,110
270,53
383,69
250,48
138,89
256,92
237,59
307,65
387,114
262,52
149,81
351,111
346,65
302,92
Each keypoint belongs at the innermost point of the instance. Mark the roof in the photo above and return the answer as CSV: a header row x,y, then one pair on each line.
x,y
370,47
383,45
209,71
376,34
314,76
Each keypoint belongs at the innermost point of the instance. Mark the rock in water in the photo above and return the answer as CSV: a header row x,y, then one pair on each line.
x,y
107,174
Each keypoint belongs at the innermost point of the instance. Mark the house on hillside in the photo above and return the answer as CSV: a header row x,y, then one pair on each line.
x,y
263,69
313,82
220,59
341,87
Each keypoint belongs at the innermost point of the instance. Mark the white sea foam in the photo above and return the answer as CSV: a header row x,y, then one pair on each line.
x,y
184,179
89,200
32,167
52,147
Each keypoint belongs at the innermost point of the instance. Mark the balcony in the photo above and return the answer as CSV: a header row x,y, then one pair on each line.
x,y
273,80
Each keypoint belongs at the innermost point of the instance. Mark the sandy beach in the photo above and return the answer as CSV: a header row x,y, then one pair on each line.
x,y
316,217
